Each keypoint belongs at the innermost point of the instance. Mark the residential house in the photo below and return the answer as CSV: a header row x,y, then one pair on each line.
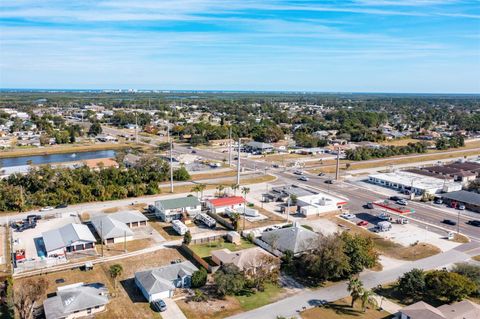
x,y
296,239
66,239
131,160
219,205
247,260
172,209
117,227
458,310
161,282
76,301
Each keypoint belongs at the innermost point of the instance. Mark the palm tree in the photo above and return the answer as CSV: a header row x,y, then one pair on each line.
x,y
245,191
196,189
201,188
220,188
234,188
355,288
368,299
115,272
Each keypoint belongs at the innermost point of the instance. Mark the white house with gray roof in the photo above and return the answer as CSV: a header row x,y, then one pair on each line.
x,y
69,238
76,301
159,283
296,238
172,209
117,227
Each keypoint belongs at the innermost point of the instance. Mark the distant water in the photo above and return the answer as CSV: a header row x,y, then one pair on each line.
x,y
55,158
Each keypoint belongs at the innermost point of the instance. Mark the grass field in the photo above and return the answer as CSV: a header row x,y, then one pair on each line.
x,y
188,188
204,250
60,149
260,298
341,309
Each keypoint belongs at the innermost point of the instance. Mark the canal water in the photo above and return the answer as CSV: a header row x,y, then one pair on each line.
x,y
55,158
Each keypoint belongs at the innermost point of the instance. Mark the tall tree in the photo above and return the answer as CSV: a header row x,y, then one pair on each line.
x,y
115,272
27,294
355,288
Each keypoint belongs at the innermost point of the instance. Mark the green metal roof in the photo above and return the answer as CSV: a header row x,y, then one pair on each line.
x,y
181,202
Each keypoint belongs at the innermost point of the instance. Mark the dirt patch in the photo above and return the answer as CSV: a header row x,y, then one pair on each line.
x,y
272,219
132,245
387,247
111,210
341,309
459,238
211,309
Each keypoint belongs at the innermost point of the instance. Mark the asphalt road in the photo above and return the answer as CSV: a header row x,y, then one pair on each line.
x,y
357,196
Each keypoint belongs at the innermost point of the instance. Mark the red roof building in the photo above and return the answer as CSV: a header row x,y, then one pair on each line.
x,y
218,205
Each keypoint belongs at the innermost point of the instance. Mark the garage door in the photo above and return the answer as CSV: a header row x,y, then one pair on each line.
x,y
161,295
135,224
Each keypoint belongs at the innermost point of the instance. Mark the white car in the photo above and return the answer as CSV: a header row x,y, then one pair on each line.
x,y
298,173
304,178
46,209
347,216
402,202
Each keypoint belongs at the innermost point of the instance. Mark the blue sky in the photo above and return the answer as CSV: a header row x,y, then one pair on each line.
x,y
348,46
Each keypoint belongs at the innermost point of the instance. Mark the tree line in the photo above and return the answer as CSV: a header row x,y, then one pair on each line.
x,y
366,153
47,186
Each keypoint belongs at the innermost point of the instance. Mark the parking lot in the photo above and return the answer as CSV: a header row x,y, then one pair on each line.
x,y
404,234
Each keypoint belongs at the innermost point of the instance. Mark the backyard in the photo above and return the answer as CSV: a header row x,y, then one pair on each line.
x,y
204,250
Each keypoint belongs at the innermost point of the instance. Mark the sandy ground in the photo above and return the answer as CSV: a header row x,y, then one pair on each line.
x,y
409,234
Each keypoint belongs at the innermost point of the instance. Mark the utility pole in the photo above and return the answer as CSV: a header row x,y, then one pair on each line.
x,y
230,146
288,207
136,126
337,169
101,234
171,157
125,241
238,163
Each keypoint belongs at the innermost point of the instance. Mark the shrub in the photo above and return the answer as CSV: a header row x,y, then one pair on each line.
x,y
199,278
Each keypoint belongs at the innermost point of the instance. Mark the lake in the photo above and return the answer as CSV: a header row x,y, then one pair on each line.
x,y
55,158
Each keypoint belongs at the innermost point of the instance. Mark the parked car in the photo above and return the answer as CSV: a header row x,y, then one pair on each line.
x,y
303,178
46,209
159,305
402,202
61,206
438,201
368,205
34,217
461,207
475,223
347,216
384,216
395,198
449,222
362,223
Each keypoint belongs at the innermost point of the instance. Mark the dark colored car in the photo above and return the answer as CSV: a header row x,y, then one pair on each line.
x,y
449,222
194,152
395,198
330,181
159,305
61,206
34,217
475,223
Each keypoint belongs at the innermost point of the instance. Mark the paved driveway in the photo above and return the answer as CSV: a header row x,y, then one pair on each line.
x,y
173,311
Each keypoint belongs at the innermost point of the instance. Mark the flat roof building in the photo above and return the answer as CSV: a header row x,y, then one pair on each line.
x,y
415,183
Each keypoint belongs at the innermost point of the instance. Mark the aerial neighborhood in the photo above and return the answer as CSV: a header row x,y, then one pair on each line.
x,y
195,210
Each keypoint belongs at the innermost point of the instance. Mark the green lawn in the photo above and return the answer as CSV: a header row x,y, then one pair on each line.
x,y
260,298
204,250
